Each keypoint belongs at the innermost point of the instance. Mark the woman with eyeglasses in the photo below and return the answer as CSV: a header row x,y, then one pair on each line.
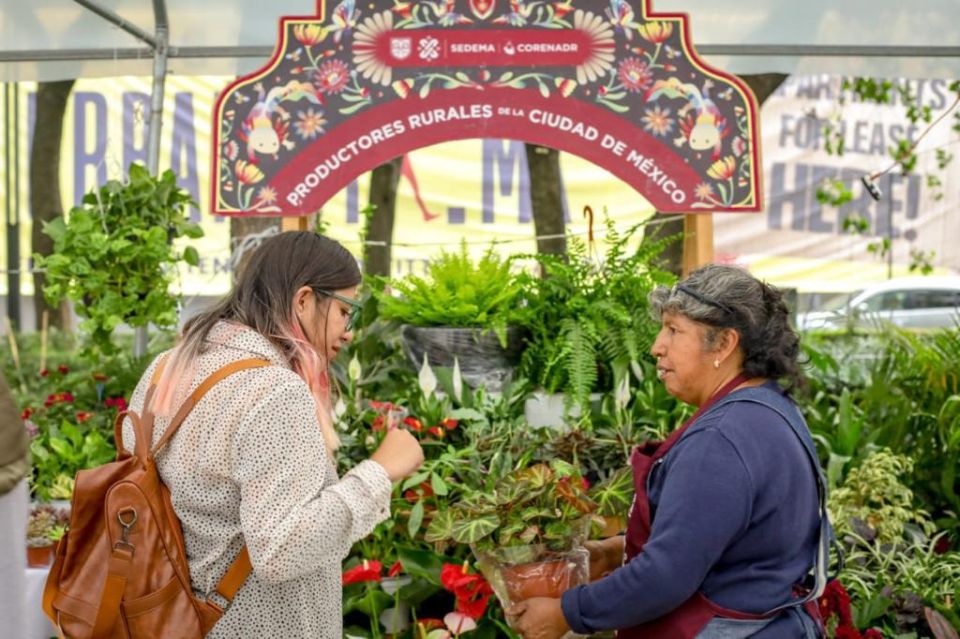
x,y
253,465
729,519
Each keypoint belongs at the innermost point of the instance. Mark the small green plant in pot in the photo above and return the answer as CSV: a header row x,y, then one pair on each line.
x,y
526,533
464,309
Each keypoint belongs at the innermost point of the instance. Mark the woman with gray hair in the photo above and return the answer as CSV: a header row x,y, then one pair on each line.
x,y
730,515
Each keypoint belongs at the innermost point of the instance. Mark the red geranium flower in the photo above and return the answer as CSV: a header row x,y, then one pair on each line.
x,y
367,571
63,369
26,413
116,402
57,398
44,372
83,416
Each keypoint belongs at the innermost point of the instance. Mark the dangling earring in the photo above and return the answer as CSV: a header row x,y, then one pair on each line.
x,y
716,363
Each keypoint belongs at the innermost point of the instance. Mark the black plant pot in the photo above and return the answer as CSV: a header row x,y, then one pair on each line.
x,y
483,362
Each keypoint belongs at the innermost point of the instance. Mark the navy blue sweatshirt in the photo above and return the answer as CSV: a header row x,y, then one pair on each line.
x,y
735,516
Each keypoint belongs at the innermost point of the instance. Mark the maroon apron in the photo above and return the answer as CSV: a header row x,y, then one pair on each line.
x,y
696,612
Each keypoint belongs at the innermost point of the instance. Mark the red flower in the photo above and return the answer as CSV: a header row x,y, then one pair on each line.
x,y
836,601
474,608
100,377
383,406
872,633
378,423
415,424
413,496
395,569
116,402
847,632
941,547
437,432
472,592
367,571
26,413
57,398
44,372
83,416
63,369
449,423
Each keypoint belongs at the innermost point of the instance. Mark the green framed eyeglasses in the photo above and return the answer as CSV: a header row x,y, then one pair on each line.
x,y
355,306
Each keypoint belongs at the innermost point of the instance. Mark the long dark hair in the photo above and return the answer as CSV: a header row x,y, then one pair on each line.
x,y
262,299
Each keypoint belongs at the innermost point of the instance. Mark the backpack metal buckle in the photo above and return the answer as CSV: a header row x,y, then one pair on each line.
x,y
127,518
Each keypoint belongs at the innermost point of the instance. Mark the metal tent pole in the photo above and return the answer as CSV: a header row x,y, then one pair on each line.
x,y
160,44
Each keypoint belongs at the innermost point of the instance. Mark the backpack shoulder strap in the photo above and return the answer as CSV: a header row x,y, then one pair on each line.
x,y
201,390
236,574
241,567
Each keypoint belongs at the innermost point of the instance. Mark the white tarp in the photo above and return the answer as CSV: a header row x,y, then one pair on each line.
x,y
58,25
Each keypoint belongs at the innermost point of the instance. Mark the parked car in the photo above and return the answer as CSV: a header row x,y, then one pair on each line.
x,y
908,302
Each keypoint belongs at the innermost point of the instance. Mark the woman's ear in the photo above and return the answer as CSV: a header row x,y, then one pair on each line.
x,y
301,298
727,343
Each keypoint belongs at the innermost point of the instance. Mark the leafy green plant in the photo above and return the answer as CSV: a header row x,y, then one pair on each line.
x,y
542,504
589,318
457,292
60,452
913,399
893,564
874,495
114,258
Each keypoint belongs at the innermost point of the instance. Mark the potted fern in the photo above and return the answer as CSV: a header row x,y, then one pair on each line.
x,y
526,532
462,313
589,324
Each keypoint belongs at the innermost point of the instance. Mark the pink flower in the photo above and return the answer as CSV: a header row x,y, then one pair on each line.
x,y
635,74
332,76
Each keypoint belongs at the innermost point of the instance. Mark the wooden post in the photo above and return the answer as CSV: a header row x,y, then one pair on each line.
x,y
291,223
697,241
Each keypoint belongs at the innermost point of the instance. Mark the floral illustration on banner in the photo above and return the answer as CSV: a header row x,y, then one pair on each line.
x,y
641,69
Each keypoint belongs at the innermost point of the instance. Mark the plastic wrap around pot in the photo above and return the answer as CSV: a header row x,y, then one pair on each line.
x,y
483,362
520,572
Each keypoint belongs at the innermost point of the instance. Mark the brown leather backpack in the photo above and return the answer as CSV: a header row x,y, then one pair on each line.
x,y
121,570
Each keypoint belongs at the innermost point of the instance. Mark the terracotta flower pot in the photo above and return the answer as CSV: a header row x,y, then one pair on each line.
x,y
538,579
39,556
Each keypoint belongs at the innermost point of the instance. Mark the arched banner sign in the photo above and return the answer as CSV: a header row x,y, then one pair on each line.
x,y
607,80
